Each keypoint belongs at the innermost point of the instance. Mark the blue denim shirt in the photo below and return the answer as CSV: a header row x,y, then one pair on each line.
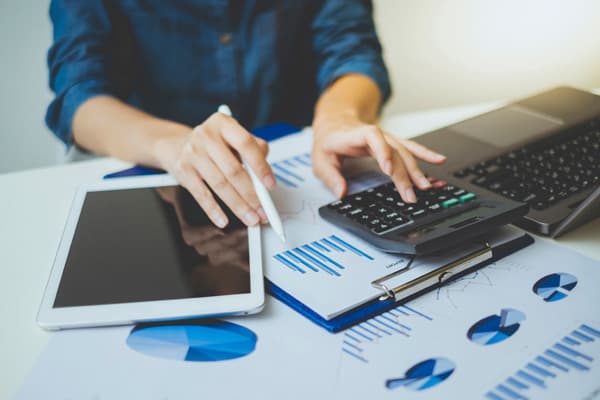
x,y
179,59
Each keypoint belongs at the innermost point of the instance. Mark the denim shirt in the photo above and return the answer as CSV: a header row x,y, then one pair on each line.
x,y
269,60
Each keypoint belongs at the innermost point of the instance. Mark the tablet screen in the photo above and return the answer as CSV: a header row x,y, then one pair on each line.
x,y
151,244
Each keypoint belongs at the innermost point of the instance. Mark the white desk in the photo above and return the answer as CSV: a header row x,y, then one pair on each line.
x,y
33,208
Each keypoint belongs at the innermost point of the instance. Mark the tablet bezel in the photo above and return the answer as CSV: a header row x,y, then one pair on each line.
x,y
143,311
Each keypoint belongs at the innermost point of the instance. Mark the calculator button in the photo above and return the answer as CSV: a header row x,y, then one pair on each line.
x,y
449,203
467,197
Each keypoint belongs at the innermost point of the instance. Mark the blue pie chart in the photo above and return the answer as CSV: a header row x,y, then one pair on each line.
x,y
496,328
202,341
424,375
555,287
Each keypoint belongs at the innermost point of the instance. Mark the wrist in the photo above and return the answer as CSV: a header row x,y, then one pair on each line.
x,y
333,120
166,145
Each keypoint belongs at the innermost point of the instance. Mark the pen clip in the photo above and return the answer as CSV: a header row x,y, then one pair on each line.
x,y
443,274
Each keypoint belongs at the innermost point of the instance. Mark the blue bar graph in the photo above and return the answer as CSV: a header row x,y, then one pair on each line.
x,y
370,332
590,330
559,359
292,172
517,384
331,255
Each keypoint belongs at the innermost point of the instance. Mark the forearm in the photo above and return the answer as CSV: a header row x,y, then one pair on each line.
x,y
107,126
354,96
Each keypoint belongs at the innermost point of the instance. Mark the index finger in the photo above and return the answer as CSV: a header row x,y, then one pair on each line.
x,y
250,149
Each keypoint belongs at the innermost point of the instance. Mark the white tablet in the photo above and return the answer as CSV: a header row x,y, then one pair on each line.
x,y
141,249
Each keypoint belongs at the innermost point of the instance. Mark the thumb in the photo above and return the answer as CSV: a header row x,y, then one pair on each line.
x,y
327,168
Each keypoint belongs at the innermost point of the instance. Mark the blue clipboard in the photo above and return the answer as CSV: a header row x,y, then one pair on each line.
x,y
377,306
367,310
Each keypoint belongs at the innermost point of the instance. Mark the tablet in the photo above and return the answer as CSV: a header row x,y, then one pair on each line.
x,y
141,249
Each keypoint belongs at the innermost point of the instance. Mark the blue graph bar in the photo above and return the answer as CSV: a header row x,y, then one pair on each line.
x,y
361,358
288,263
359,333
566,360
372,325
317,262
302,161
322,256
333,245
401,311
321,247
288,172
417,312
353,346
550,363
572,352
301,261
540,370
389,326
289,163
396,322
493,396
582,336
352,337
571,341
517,384
531,379
285,181
351,248
509,392
369,331
590,330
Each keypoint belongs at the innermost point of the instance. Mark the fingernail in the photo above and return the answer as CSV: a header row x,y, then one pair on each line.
x,y
424,182
251,218
410,195
221,222
387,167
269,181
262,215
440,156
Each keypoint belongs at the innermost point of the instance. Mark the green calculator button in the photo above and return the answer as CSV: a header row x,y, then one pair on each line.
x,y
466,197
449,203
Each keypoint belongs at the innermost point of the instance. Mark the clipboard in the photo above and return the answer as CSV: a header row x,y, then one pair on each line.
x,y
393,296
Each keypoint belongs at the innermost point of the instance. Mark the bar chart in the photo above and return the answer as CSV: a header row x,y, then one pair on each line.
x,y
293,171
331,255
398,321
568,355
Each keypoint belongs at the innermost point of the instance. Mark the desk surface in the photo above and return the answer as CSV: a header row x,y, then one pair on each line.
x,y
33,210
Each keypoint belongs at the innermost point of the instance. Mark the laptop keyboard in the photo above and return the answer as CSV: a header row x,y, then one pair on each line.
x,y
541,174
381,209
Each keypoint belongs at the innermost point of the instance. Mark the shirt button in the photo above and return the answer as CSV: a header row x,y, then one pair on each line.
x,y
225,38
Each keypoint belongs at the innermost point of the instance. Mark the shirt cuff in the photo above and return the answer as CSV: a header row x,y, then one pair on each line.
x,y
378,73
61,111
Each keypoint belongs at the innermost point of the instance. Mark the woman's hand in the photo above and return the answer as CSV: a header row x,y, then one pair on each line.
x,y
209,157
346,136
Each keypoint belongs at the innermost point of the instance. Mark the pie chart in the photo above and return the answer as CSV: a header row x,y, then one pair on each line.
x,y
555,287
424,375
193,341
496,328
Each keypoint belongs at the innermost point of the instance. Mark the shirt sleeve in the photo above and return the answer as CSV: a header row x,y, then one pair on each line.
x,y
81,62
345,42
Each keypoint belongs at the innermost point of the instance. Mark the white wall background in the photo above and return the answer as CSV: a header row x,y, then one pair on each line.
x,y
439,52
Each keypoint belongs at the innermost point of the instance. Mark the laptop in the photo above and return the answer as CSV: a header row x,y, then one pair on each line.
x,y
543,150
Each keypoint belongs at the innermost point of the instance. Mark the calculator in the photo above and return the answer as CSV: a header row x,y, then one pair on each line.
x,y
442,217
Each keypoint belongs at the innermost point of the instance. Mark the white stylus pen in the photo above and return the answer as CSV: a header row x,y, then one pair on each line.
x,y
261,191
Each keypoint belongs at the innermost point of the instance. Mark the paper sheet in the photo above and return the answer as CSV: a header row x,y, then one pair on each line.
x,y
322,266
423,343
